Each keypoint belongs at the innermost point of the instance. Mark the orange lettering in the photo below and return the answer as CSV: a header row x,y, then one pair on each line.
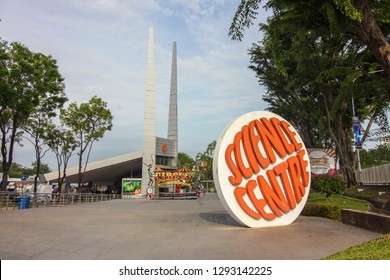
x,y
262,142
239,192
245,171
249,150
291,136
237,177
262,131
270,135
277,125
273,195
280,170
258,203
255,139
294,170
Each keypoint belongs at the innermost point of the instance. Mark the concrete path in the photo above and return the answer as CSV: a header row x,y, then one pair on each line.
x,y
164,230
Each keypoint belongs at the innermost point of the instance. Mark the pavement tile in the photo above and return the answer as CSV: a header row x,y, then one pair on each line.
x,y
141,229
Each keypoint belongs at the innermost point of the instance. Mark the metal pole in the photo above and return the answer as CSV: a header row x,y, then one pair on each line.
x,y
353,115
357,150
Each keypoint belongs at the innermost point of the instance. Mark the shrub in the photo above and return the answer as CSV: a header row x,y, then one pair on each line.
x,y
328,185
328,210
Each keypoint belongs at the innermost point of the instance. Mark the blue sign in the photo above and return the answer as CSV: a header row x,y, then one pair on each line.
x,y
24,178
357,135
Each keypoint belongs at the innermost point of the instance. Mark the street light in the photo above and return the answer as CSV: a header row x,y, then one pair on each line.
x,y
357,131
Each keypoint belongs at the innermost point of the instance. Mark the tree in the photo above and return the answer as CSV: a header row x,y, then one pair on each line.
x,y
26,78
311,65
186,161
204,162
43,168
17,170
63,143
88,122
39,129
363,15
377,156
328,185
38,126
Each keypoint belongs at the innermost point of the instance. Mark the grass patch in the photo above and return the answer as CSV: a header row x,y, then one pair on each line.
x,y
377,249
342,201
367,193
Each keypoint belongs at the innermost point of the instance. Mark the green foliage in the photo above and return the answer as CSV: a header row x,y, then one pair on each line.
x,y
29,83
346,7
377,249
17,170
243,18
373,157
328,185
312,60
366,194
186,161
344,202
88,123
325,209
43,168
204,162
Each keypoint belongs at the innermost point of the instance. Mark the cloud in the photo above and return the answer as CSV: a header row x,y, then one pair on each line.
x,y
101,49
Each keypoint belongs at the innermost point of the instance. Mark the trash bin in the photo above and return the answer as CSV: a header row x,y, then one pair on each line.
x,y
24,202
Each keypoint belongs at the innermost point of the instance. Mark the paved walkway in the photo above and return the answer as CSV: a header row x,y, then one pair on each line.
x,y
164,230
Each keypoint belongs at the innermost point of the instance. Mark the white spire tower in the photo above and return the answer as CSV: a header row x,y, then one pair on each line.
x,y
149,142
172,120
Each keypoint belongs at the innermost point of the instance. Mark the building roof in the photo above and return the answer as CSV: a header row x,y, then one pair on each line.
x,y
108,170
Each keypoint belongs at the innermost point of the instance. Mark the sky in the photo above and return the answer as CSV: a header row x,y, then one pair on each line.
x,y
101,49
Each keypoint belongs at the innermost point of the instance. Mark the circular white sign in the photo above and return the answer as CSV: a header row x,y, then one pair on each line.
x,y
261,170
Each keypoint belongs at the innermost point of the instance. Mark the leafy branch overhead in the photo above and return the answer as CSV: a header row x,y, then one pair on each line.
x,y
313,61
368,18
88,122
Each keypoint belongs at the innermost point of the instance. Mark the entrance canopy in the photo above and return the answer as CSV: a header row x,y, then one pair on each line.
x,y
105,171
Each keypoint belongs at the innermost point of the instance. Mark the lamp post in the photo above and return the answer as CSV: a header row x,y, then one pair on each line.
x,y
357,132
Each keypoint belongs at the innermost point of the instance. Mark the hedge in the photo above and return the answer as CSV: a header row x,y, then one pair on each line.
x,y
328,210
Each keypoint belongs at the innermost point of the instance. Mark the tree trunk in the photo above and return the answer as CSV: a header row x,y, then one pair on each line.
x,y
370,33
346,157
59,180
37,175
342,139
80,168
7,155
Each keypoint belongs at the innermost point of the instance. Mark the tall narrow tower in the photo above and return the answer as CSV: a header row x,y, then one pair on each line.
x,y
172,120
149,142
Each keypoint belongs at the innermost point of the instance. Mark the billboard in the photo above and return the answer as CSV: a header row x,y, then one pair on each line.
x,y
262,170
131,186
322,161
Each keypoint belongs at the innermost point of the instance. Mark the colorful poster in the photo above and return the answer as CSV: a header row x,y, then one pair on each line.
x,y
131,186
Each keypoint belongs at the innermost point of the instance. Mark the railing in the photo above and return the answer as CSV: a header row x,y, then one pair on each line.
x,y
12,201
376,176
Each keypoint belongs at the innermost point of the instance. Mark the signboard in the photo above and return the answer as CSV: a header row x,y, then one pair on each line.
x,y
357,132
131,186
261,170
180,176
322,161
